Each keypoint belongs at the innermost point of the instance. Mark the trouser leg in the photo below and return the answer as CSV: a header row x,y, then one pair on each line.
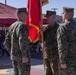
x,y
24,68
48,67
15,67
54,66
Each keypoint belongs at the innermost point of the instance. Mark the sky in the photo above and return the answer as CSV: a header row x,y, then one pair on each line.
x,y
59,4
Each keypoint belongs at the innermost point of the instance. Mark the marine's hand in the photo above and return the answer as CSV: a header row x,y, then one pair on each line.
x,y
63,66
25,60
43,45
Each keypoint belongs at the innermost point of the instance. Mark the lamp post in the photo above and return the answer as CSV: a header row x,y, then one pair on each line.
x,y
5,2
54,9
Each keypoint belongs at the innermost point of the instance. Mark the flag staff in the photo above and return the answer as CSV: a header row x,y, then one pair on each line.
x,y
42,38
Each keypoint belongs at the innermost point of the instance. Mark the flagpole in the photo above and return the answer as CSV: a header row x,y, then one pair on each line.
x,y
42,38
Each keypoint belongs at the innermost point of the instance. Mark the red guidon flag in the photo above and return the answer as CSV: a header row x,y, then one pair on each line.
x,y
33,19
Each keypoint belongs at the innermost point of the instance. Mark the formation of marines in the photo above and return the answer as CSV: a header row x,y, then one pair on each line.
x,y
59,44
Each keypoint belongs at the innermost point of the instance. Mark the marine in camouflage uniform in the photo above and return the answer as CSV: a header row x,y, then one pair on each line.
x,y
50,42
17,44
66,38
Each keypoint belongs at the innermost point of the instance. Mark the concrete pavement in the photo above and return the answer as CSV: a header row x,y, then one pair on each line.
x,y
37,67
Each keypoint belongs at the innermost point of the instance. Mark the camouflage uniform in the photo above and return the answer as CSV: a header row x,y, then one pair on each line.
x,y
17,44
50,51
66,38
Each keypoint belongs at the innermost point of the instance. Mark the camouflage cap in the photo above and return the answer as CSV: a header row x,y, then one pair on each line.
x,y
50,13
20,10
67,9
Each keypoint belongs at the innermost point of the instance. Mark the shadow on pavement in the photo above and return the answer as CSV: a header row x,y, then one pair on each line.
x,y
5,62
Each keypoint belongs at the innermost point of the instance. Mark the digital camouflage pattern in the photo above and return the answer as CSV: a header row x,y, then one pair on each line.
x,y
17,44
66,38
51,41
51,51
21,68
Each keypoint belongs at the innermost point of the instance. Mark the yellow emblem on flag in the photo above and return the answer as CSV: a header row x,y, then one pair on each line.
x,y
45,1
